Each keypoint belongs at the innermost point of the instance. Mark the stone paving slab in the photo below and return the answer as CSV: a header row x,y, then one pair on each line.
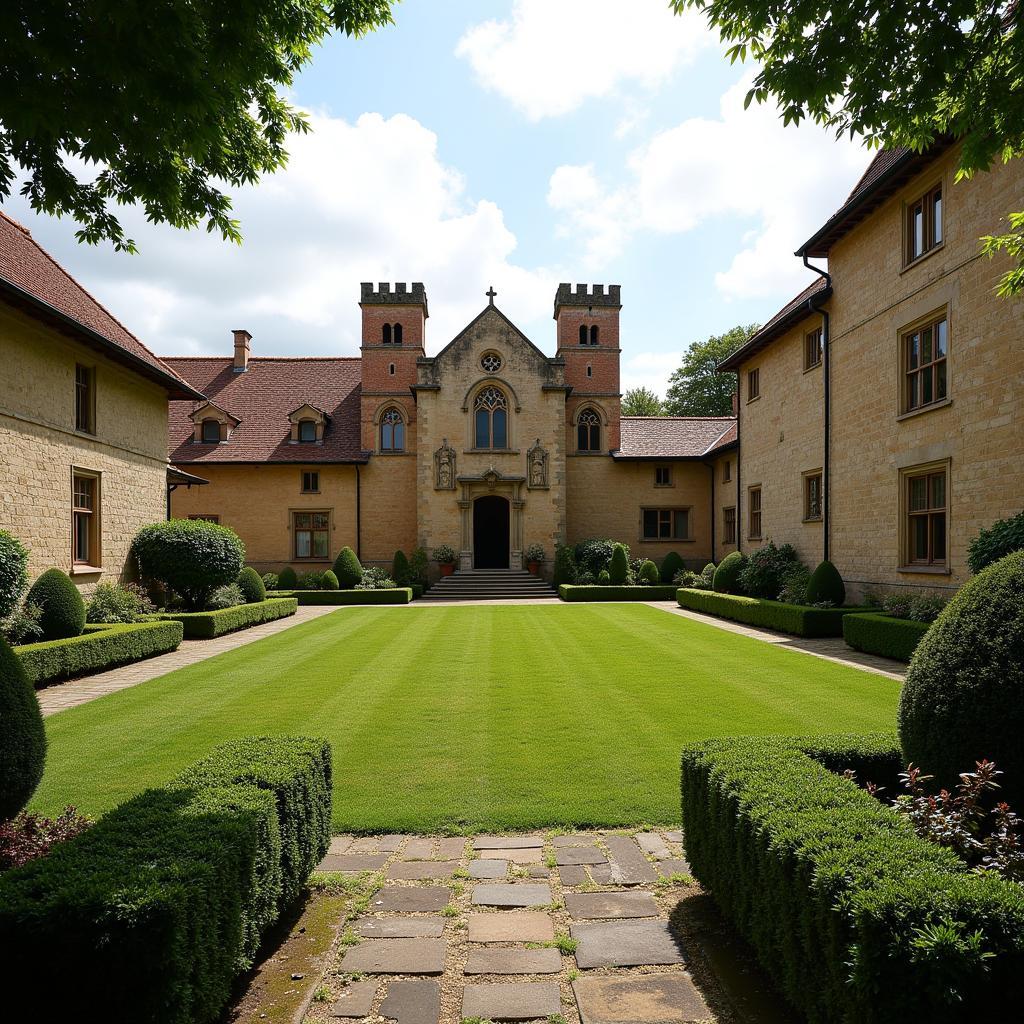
x,y
539,871
518,1000
629,865
451,848
339,844
596,905
489,894
653,845
355,1000
601,873
561,842
408,899
513,961
488,868
674,836
625,944
674,867
419,849
396,956
520,855
508,842
412,1002
513,926
572,874
400,927
580,855
648,999
422,870
353,862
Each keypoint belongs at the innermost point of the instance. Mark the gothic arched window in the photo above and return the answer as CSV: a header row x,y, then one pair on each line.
x,y
593,334
397,334
386,334
583,334
490,419
588,431
392,432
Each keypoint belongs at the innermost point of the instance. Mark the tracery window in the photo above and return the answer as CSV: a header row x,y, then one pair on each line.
x,y
491,362
490,419
392,432
588,431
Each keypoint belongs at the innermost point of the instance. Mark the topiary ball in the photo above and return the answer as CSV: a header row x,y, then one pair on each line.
x,y
672,564
963,698
618,568
329,581
648,573
61,604
726,578
400,568
287,579
22,737
251,585
347,569
826,584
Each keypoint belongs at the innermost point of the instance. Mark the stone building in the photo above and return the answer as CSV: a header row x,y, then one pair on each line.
x,y
880,410
488,446
83,420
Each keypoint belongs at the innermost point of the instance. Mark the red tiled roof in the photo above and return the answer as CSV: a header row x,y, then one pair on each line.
x,y
261,399
30,273
673,437
791,313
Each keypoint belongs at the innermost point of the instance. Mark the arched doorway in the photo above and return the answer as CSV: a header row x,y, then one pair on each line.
x,y
490,532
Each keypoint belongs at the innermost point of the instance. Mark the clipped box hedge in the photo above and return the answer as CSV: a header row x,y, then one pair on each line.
x,y
797,619
836,893
99,647
572,592
151,914
398,595
206,625
884,634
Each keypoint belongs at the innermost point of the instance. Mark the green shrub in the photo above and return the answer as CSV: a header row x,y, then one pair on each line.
x,y
670,566
727,575
826,585
918,607
565,565
347,569
270,580
330,580
193,557
884,635
251,585
618,569
287,579
797,619
61,605
13,573
228,596
658,592
400,568
100,647
22,737
375,578
794,584
206,625
418,566
1000,539
604,578
649,575
963,699
845,907
23,626
591,556
766,569
393,595
111,603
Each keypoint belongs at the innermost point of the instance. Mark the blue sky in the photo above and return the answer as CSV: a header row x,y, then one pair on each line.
x,y
517,143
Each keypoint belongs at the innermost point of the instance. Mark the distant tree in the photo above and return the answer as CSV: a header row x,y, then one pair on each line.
x,y
897,72
164,102
641,402
697,388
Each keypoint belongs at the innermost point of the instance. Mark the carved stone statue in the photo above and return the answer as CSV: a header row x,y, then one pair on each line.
x,y
537,466
444,467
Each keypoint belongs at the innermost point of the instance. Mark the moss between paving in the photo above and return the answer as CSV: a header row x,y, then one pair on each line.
x,y
471,718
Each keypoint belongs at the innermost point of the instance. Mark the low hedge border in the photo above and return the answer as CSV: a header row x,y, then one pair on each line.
x,y
884,634
398,595
151,914
836,894
207,625
99,647
573,592
797,619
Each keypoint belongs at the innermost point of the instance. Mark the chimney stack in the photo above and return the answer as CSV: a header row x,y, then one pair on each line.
x,y
735,404
242,339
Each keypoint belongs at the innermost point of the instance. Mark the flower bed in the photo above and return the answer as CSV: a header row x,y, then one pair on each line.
x,y
853,915
99,647
153,912
206,625
571,592
395,595
884,634
797,619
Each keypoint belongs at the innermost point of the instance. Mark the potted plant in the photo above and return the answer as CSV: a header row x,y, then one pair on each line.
x,y
534,555
444,555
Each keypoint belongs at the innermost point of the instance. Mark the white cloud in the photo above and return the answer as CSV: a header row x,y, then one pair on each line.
x,y
553,55
648,370
744,164
363,201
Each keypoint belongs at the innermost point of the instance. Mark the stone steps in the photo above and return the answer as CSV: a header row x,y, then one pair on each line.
x,y
489,585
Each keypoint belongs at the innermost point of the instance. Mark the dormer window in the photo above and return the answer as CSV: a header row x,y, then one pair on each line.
x,y
308,424
212,424
307,431
211,431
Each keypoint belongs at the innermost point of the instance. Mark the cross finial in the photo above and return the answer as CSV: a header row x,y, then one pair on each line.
x,y
490,293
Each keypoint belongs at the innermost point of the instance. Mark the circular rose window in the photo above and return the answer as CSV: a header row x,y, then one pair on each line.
x,y
491,362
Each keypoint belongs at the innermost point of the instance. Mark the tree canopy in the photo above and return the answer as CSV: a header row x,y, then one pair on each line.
x,y
641,402
697,388
899,73
163,103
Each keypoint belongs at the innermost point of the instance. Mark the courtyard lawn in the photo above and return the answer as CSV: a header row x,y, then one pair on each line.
x,y
469,718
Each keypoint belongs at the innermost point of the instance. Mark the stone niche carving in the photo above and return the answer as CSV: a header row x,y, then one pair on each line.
x,y
537,467
444,467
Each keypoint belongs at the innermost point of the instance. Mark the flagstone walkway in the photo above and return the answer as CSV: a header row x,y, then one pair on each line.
x,y
575,928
